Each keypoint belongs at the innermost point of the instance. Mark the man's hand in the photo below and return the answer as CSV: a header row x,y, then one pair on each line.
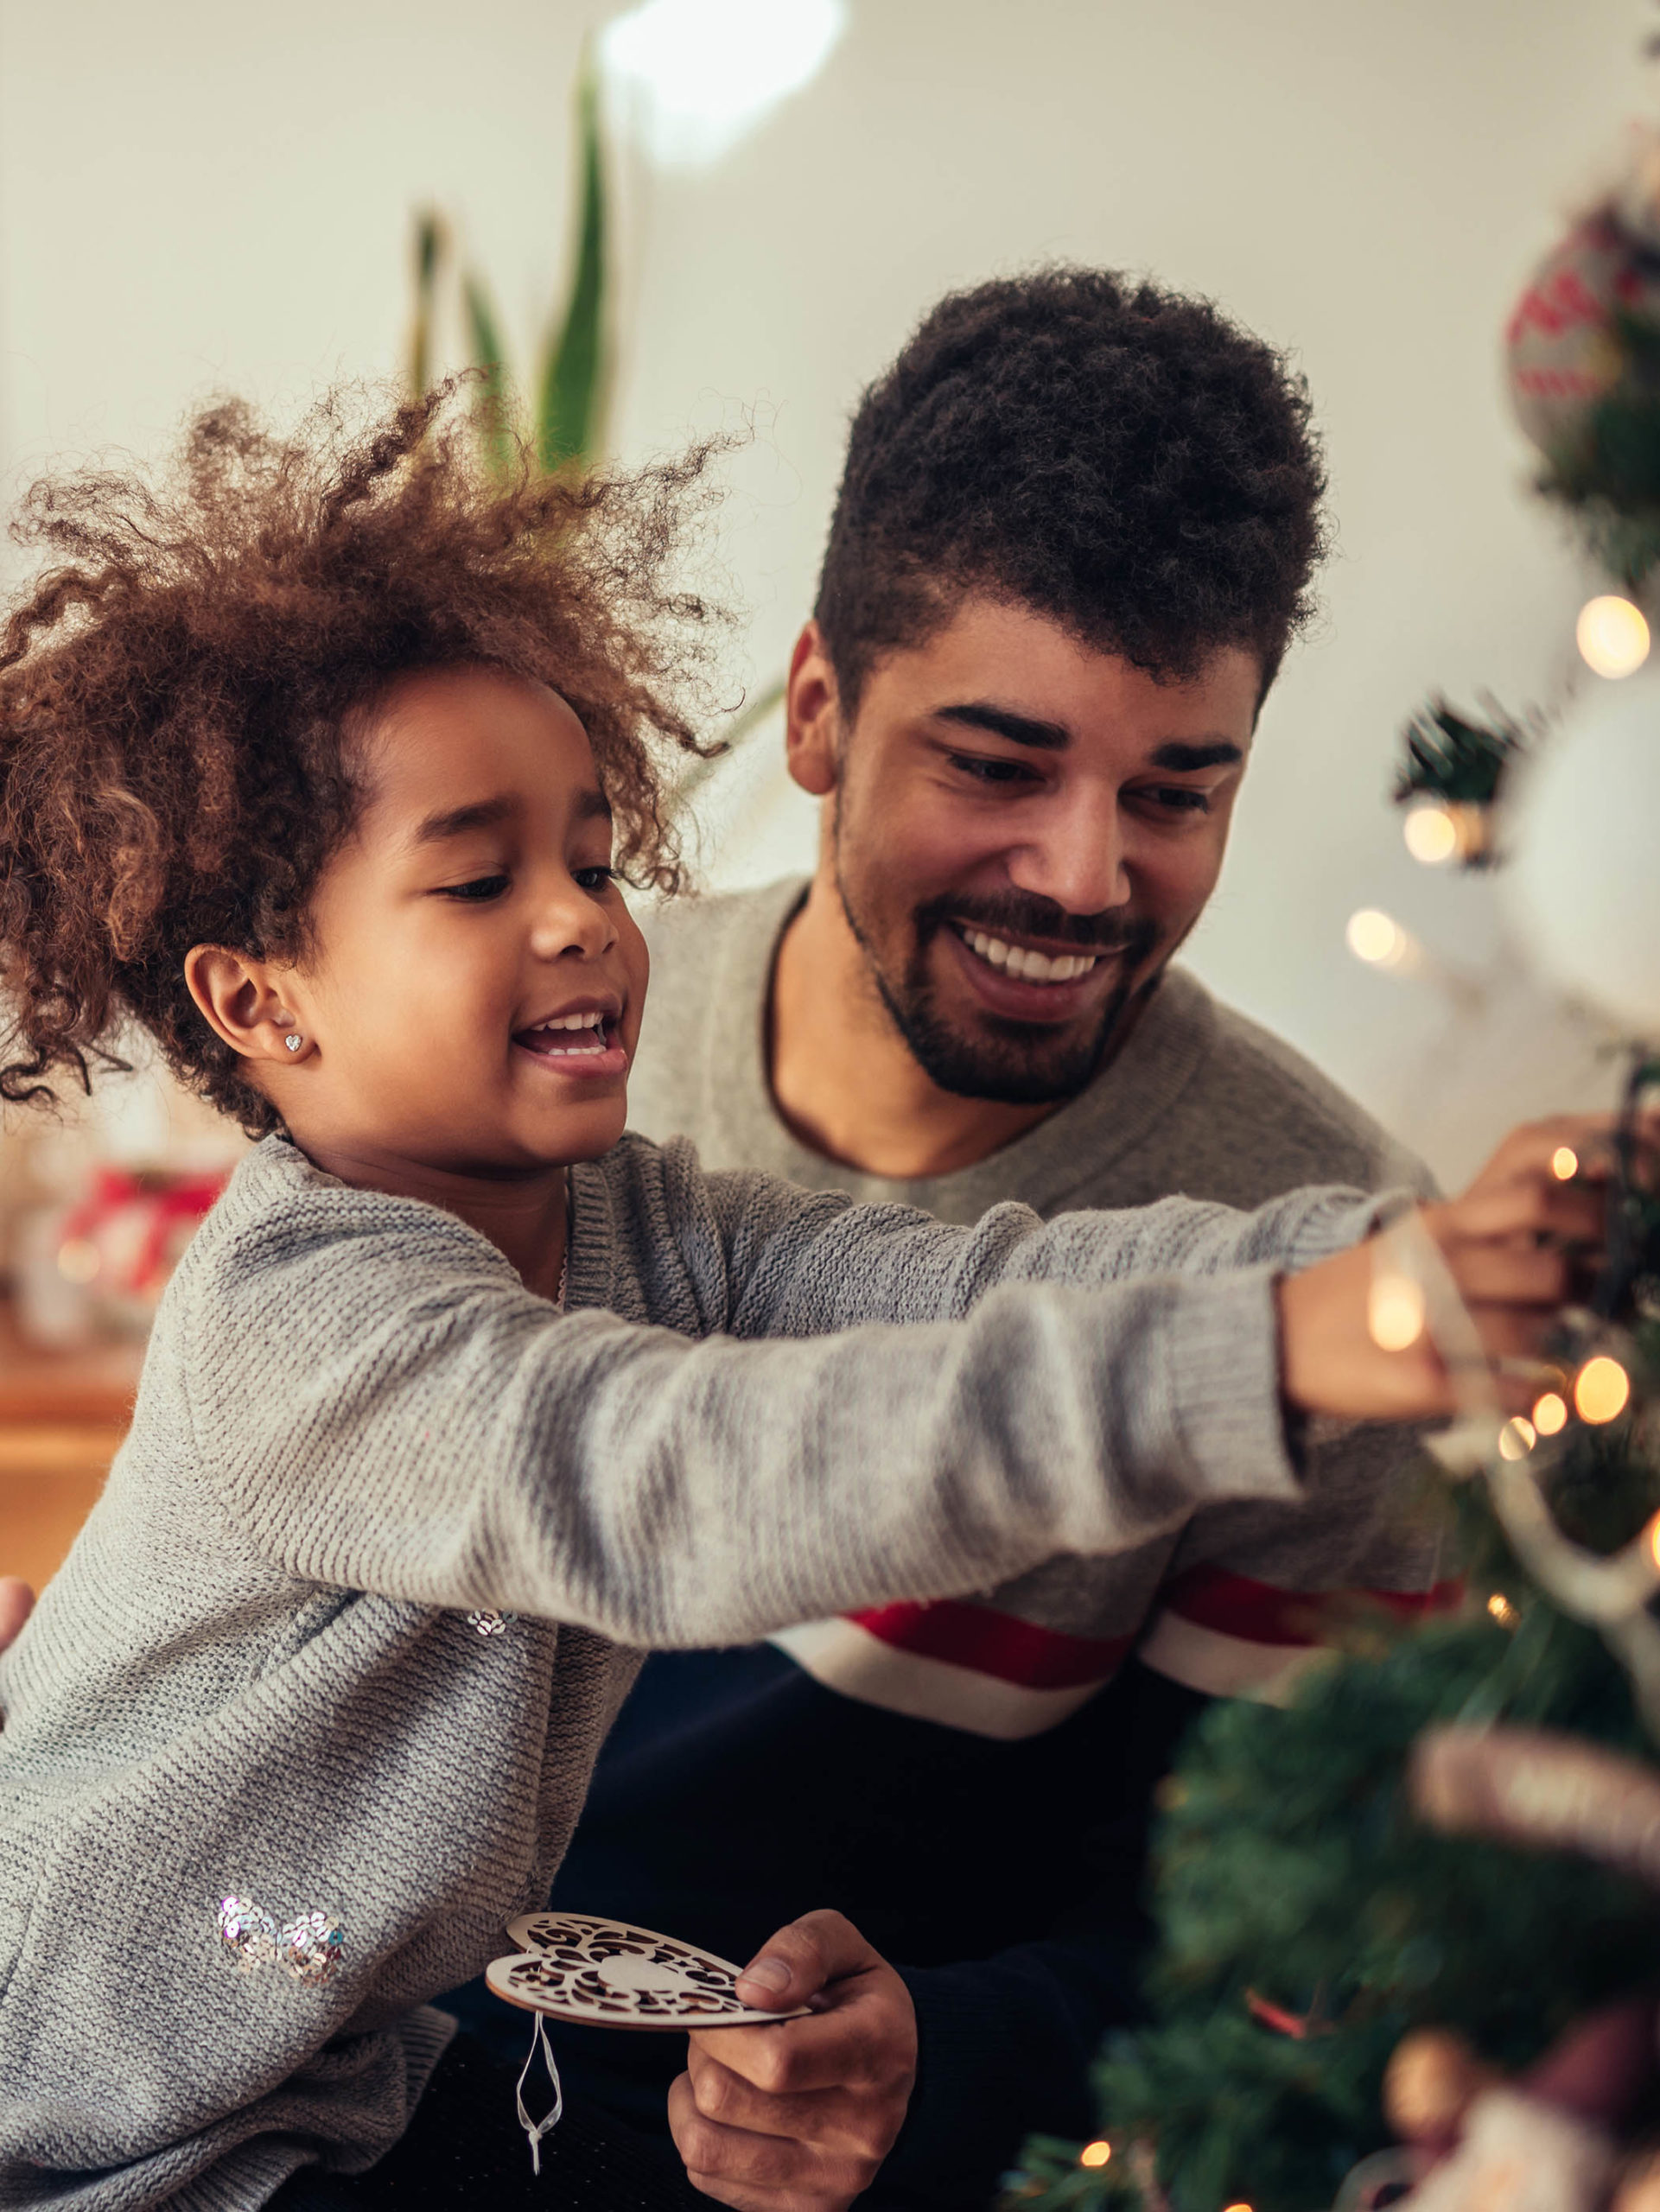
x,y
797,2117
16,1604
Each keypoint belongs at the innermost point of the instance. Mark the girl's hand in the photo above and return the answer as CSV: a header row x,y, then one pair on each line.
x,y
1515,1243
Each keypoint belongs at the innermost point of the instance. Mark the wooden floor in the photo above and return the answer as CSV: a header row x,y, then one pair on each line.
x,y
62,1415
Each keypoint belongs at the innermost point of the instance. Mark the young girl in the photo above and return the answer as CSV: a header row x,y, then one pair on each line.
x,y
318,767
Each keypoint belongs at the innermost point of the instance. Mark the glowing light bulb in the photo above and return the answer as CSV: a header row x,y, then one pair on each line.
x,y
1654,1539
1517,1439
1612,636
1550,1414
1377,939
1502,1610
1095,2154
78,1259
1602,1389
1236,2207
1564,1163
1395,1313
1431,834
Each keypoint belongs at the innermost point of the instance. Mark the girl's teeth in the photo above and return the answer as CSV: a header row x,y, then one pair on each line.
x,y
1029,966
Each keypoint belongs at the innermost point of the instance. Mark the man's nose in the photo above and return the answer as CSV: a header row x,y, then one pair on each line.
x,y
1075,856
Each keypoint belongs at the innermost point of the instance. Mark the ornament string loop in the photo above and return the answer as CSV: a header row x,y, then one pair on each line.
x,y
536,2129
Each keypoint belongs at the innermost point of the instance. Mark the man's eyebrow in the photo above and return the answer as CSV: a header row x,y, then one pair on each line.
x,y
1178,753
1001,722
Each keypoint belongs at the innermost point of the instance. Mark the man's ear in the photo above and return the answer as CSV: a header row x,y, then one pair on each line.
x,y
242,1000
813,729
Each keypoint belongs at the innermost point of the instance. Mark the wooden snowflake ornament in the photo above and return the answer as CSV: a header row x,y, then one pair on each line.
x,y
609,1973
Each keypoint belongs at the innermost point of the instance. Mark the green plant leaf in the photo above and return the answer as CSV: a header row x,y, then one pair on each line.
x,y
491,414
429,247
570,403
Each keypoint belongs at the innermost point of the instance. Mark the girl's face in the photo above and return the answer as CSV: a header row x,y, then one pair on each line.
x,y
472,1002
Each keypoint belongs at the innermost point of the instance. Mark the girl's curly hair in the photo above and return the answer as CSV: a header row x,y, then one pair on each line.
x,y
178,690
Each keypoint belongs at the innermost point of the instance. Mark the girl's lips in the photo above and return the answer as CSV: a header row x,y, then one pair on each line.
x,y
584,1053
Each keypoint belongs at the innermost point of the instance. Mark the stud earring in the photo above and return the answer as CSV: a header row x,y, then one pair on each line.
x,y
293,1042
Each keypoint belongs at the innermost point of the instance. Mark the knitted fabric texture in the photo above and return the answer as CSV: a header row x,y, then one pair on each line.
x,y
254,1678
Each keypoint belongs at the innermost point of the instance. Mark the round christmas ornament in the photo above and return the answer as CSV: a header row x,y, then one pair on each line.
x,y
1582,890
1562,349
608,1973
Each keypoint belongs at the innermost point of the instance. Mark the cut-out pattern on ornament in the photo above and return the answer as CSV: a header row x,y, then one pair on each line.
x,y
611,1974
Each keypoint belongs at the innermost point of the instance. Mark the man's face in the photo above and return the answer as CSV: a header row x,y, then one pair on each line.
x,y
1025,830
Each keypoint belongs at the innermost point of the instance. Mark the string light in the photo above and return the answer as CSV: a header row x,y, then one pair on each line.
x,y
1564,1163
1431,834
1095,2154
1378,939
1602,1389
1612,636
78,1259
1550,1414
1654,1539
1236,2207
1395,1312
1502,1610
1517,1439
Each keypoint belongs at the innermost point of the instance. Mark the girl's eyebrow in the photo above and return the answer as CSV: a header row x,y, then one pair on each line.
x,y
456,821
592,805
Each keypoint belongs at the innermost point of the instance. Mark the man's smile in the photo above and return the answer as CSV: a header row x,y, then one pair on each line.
x,y
1021,981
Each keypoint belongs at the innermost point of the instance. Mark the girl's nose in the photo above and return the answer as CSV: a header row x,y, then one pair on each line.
x,y
569,922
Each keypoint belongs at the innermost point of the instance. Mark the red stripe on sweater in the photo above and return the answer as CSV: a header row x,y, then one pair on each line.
x,y
995,1644
1257,1612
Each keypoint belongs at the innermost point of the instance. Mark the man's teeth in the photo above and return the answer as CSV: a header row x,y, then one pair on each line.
x,y
1018,960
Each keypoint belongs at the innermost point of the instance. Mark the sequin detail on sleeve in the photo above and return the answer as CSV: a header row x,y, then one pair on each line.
x,y
311,1947
490,1624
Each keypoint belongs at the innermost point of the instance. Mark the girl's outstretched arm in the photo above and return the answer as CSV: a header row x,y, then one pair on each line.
x,y
381,1405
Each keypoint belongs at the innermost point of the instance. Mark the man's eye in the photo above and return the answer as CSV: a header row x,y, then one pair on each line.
x,y
481,888
1180,799
981,769
597,879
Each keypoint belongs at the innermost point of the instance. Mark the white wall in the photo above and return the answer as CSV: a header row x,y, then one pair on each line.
x,y
196,198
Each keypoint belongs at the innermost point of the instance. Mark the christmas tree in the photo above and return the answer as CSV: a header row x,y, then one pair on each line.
x,y
1408,1930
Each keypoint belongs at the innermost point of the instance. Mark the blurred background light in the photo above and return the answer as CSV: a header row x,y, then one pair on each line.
x,y
705,72
1612,635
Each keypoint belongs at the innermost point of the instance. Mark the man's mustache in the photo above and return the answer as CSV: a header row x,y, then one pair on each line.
x,y
1014,915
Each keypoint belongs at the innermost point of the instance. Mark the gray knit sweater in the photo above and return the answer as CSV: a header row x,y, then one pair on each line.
x,y
272,1670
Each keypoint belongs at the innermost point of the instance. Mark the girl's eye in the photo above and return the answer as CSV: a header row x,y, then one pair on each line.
x,y
597,879
481,887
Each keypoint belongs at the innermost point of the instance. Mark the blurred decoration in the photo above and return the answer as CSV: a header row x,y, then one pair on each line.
x,y
565,431
697,75
1581,891
97,1267
1409,1929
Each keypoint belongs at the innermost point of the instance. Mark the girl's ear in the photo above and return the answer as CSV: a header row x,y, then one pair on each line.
x,y
240,1000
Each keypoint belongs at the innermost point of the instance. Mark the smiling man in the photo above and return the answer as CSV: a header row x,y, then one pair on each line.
x,y
1072,543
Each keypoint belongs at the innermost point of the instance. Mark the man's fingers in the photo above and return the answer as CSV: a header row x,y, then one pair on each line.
x,y
851,2047
1533,1205
1498,1274
794,1965
16,1604
739,2168
833,2117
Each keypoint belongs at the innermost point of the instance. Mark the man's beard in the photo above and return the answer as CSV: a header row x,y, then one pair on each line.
x,y
1016,1063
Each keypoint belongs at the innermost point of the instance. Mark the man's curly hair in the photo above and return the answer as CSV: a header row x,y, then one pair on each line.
x,y
1118,458
179,690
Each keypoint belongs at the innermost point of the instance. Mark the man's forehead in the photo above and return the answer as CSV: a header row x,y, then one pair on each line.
x,y
1005,663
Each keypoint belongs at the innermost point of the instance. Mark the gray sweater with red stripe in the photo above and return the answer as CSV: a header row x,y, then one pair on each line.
x,y
255,1678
